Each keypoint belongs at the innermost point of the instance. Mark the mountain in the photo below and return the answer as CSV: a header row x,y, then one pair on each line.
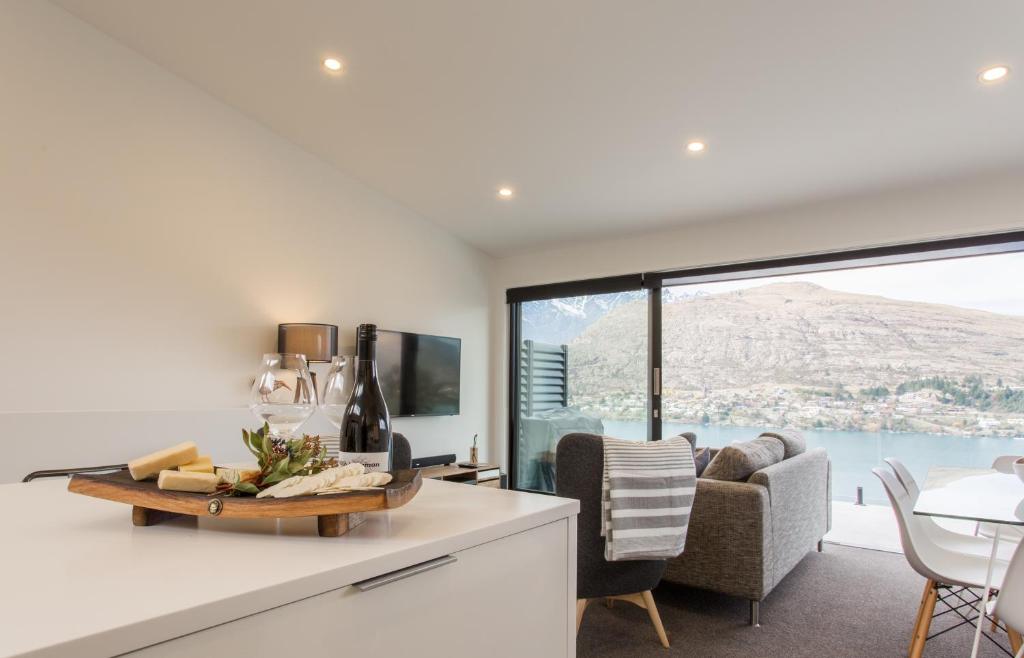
x,y
558,321
797,334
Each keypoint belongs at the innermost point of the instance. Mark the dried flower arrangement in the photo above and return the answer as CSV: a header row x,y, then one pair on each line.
x,y
278,459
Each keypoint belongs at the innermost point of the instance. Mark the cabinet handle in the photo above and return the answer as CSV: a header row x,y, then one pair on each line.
x,y
401,574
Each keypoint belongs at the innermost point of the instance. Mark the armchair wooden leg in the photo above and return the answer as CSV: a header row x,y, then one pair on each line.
x,y
645,600
581,606
652,611
924,619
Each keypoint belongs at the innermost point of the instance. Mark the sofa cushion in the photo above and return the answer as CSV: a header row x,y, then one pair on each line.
x,y
738,461
792,440
701,459
689,436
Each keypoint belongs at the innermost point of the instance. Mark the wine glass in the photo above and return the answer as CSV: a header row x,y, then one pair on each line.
x,y
282,394
335,400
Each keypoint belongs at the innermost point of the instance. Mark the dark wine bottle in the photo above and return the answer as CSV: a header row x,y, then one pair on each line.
x,y
366,425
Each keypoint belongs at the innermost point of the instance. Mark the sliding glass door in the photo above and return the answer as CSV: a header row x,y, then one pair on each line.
x,y
913,352
582,367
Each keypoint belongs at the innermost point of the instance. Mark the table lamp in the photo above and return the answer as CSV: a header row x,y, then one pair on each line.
x,y
319,342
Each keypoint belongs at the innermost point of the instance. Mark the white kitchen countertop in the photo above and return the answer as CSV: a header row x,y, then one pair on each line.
x,y
79,580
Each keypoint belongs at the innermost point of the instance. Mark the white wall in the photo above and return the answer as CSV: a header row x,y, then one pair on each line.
x,y
151,238
980,204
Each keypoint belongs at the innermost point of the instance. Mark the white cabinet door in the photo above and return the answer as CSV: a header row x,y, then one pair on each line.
x,y
511,597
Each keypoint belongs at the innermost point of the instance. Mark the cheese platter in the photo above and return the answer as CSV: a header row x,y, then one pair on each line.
x,y
152,505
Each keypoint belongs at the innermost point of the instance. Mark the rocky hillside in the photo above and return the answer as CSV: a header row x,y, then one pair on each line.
x,y
798,334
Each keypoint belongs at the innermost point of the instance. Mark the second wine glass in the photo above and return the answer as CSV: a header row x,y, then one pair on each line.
x,y
283,394
334,400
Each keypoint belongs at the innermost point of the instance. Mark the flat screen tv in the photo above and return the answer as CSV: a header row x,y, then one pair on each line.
x,y
419,374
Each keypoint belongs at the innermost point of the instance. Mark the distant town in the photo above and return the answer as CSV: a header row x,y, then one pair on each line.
x,y
966,407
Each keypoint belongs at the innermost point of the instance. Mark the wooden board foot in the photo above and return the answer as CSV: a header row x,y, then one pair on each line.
x,y
335,525
143,516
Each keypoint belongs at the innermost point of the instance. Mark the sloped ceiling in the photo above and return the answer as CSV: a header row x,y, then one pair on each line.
x,y
584,106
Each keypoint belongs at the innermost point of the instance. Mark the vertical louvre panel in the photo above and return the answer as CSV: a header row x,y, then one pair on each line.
x,y
543,377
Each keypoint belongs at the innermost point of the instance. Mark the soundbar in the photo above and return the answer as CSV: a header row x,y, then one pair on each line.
x,y
439,460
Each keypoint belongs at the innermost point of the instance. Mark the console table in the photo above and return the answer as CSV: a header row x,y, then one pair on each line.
x,y
485,475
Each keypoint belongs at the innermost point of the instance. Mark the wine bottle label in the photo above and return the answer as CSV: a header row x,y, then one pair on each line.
x,y
372,461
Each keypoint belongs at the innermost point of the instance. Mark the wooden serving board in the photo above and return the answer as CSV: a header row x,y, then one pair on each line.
x,y
151,505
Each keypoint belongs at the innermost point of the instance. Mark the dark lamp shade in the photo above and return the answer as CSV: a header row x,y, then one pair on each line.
x,y
319,342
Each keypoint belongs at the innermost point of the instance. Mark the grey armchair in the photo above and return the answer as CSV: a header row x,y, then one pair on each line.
x,y
401,452
579,461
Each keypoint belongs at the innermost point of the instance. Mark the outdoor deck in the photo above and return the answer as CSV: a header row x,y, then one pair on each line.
x,y
874,526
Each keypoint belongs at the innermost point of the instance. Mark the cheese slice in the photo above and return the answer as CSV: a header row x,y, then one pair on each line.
x,y
150,465
185,481
202,465
373,480
234,474
302,485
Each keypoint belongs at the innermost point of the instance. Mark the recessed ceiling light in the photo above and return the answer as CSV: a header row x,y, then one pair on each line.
x,y
333,65
994,74
696,146
505,192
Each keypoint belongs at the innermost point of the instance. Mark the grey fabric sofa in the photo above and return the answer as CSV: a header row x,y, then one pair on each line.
x,y
744,537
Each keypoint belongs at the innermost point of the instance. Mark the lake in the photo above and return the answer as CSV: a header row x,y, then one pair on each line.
x,y
854,454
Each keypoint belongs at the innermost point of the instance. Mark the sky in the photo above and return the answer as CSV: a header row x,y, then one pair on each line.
x,y
988,283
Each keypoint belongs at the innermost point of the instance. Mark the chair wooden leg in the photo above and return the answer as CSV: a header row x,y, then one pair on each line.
x,y
652,610
1015,639
636,599
916,621
644,600
924,621
581,606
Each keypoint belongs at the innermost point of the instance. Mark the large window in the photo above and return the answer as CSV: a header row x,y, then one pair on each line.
x,y
921,361
912,352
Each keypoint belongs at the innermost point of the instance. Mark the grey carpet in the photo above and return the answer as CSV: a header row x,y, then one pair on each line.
x,y
843,602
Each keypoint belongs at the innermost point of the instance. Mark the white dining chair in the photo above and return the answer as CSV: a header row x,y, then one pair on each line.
x,y
1010,603
1004,464
943,569
1010,533
904,476
944,537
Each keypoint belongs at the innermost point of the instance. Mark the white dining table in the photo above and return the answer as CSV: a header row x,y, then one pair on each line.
x,y
979,495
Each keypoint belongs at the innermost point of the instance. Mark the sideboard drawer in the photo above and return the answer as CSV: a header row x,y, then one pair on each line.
x,y
510,597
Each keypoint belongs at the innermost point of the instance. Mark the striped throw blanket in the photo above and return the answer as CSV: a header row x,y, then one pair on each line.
x,y
647,493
